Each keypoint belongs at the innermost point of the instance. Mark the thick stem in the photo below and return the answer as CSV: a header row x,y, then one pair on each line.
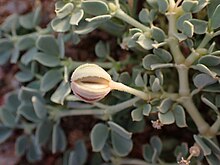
x,y
125,17
195,55
121,87
107,110
202,125
173,41
183,80
215,127
187,102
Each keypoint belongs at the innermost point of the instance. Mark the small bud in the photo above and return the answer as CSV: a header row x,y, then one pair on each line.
x,y
194,150
90,82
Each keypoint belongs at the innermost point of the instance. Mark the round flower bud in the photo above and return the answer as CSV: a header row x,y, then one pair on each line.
x,y
90,82
195,150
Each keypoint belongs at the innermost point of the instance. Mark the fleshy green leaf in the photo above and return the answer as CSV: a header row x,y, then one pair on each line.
x,y
95,7
34,152
202,80
102,49
58,139
151,59
189,5
7,117
25,43
90,24
24,76
158,34
188,28
144,16
200,26
21,145
47,60
119,130
28,56
76,17
156,143
99,135
5,133
180,117
121,145
166,118
148,152
28,112
139,82
163,5
79,154
137,114
39,108
165,105
147,109
60,25
206,150
182,19
50,79
210,60
43,132
215,18
163,54
48,45
145,42
62,91
155,87
211,7
64,11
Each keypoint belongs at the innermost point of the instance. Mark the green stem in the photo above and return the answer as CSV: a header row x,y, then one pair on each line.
x,y
125,17
77,112
202,125
109,110
173,41
122,87
205,40
195,55
183,80
187,101
215,126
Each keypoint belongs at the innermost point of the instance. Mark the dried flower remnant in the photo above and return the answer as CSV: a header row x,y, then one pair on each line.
x,y
157,124
184,161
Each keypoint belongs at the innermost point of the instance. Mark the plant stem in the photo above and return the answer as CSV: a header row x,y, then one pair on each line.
x,y
187,101
125,17
202,125
109,110
215,126
118,107
183,80
121,87
195,55
173,41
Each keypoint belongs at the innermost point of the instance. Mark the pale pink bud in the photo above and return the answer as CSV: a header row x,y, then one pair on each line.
x,y
90,82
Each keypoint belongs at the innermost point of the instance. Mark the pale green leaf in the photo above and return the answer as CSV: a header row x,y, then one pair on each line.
x,y
95,7
99,135
166,118
61,92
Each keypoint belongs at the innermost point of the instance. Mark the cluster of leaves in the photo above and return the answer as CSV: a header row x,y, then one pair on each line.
x,y
44,96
